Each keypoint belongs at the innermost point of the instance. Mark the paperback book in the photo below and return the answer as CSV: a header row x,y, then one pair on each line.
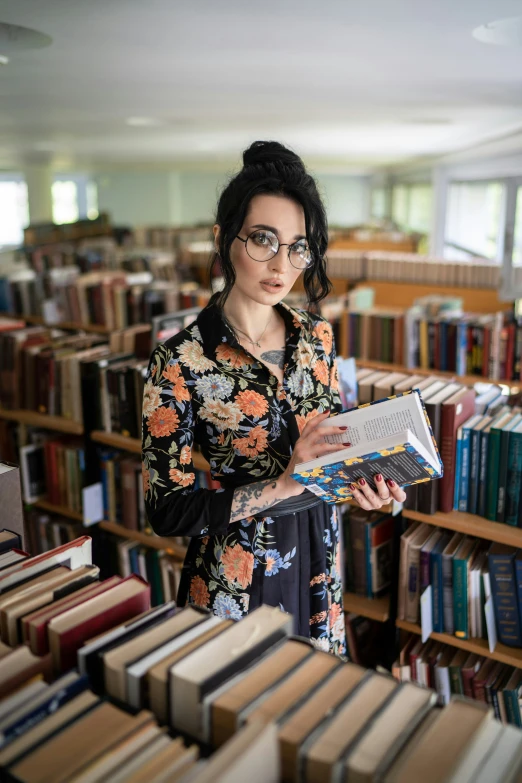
x,y
392,436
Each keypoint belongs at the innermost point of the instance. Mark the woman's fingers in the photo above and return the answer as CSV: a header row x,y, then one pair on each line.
x,y
360,498
373,499
396,492
383,490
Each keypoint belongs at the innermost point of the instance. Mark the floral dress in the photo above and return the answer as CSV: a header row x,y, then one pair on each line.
x,y
203,388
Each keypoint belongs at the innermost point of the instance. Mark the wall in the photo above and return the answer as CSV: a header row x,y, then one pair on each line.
x,y
134,198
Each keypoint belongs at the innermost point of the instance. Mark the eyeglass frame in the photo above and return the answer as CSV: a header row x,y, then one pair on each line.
x,y
279,245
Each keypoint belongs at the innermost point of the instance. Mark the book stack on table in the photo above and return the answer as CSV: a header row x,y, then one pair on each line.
x,y
101,687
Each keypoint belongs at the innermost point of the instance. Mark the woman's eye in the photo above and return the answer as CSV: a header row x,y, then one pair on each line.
x,y
261,238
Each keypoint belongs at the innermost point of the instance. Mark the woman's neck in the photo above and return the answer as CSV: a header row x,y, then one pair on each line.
x,y
249,316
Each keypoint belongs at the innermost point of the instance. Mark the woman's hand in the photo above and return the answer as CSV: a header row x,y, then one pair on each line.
x,y
387,490
311,445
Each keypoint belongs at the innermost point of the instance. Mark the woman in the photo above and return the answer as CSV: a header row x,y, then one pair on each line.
x,y
249,382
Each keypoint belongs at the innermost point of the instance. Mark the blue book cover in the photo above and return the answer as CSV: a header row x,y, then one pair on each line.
x,y
514,477
462,348
501,559
505,438
463,480
401,447
474,463
436,581
458,469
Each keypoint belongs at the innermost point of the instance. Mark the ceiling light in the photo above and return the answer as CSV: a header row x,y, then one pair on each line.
x,y
3,59
503,32
142,122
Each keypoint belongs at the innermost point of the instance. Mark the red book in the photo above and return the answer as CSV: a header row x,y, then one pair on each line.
x,y
73,554
469,670
34,625
486,351
510,353
70,630
480,680
455,411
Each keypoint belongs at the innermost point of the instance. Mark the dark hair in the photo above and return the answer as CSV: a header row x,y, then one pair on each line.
x,y
269,167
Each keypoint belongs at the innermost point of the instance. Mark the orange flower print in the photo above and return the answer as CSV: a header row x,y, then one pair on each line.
x,y
179,388
318,618
238,565
334,613
323,331
234,357
255,442
199,592
186,455
281,394
321,371
145,478
184,479
252,403
317,580
223,415
302,420
304,354
162,422
151,398
334,377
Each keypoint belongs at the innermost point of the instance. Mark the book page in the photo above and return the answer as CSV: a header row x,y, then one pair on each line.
x,y
366,425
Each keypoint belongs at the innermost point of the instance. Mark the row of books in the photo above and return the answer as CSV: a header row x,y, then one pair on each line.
x,y
368,542
450,671
413,268
472,582
254,696
488,346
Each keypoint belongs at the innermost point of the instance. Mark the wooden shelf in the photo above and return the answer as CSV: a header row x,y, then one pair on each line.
x,y
510,655
62,510
34,419
467,380
157,542
38,320
374,608
133,445
470,525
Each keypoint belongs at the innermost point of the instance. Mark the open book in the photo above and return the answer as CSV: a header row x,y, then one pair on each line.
x,y
392,436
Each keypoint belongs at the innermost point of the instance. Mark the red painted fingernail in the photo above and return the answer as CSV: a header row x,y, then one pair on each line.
x,y
378,477
343,428
390,483
362,482
345,443
353,487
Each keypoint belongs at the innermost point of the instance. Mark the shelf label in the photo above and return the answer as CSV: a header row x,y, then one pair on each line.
x,y
426,614
92,498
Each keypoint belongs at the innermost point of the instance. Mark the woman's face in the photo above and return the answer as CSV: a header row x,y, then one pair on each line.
x,y
268,282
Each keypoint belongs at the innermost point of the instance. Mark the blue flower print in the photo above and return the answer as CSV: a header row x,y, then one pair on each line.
x,y
300,383
226,607
273,562
214,387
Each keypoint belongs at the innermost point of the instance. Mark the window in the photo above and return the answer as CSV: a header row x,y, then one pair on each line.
x,y
91,197
65,201
400,205
14,210
378,205
474,220
412,207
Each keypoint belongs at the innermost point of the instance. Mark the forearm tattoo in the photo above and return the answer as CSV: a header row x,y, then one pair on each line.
x,y
275,357
249,500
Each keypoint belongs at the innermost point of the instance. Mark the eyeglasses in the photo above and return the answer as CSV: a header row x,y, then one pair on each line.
x,y
263,245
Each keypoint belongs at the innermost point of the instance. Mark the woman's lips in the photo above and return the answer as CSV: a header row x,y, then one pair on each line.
x,y
272,285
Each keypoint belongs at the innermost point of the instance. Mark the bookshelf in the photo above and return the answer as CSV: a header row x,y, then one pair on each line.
x,y
62,510
73,325
133,445
373,608
467,380
156,542
43,420
471,525
512,656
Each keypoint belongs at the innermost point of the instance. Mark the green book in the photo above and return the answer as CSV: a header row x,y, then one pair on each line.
x,y
461,562
455,671
154,576
494,464
511,693
505,438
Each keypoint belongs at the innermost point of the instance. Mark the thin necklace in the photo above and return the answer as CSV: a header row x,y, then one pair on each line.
x,y
236,329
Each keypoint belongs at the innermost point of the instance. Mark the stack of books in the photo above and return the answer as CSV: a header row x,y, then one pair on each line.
x,y
102,687
368,541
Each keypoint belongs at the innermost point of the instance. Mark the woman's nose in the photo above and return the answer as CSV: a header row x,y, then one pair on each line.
x,y
279,262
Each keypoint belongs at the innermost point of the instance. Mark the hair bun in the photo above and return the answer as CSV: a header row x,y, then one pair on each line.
x,y
271,153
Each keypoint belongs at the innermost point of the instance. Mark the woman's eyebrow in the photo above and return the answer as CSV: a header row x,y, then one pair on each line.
x,y
276,232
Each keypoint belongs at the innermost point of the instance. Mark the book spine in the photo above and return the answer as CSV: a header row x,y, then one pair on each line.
x,y
425,579
465,471
483,467
503,587
502,476
436,587
457,686
474,472
518,582
512,708
492,477
458,469
513,478
460,598
447,593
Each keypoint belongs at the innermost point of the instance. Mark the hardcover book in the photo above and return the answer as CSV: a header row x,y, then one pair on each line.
x,y
392,436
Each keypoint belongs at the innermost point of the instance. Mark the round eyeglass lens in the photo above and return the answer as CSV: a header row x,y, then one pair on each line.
x,y
262,245
300,255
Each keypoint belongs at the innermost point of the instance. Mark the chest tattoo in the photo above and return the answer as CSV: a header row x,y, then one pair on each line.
x,y
275,357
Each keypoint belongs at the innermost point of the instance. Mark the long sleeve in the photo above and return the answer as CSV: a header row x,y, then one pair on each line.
x,y
174,507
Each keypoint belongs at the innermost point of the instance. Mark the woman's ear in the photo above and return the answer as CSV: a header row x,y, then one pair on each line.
x,y
217,237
